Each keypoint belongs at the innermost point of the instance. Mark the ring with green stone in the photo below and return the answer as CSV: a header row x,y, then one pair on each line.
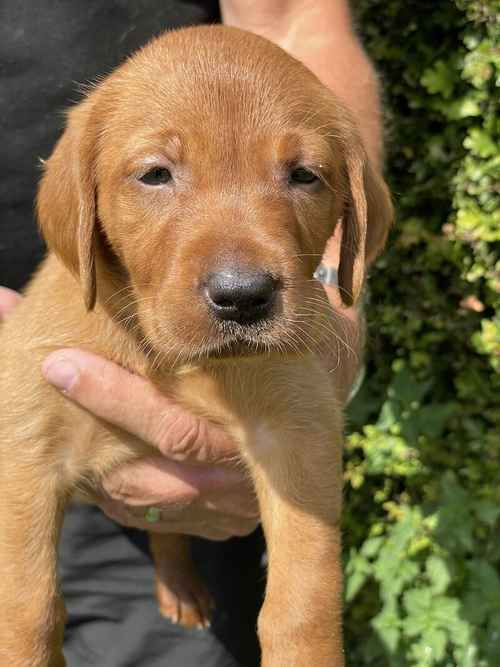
x,y
152,514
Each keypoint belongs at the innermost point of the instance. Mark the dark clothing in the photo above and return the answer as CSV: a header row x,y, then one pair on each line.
x,y
107,579
47,48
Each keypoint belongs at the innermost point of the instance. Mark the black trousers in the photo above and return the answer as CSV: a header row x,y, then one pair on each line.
x,y
113,619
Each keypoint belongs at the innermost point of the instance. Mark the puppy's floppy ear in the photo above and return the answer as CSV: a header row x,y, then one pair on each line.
x,y
366,219
66,202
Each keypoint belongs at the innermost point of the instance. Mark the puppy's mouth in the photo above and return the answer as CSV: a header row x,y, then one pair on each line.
x,y
235,340
225,328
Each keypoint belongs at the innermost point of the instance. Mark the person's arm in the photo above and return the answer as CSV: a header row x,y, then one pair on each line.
x,y
321,35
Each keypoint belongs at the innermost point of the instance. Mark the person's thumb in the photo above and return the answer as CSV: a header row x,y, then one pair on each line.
x,y
135,405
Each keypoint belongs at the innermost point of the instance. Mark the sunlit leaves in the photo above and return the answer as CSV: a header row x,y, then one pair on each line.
x,y
422,464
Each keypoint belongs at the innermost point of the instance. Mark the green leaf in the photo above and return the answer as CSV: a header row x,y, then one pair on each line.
x,y
438,573
455,522
431,419
389,415
487,512
440,79
358,570
387,625
432,646
405,389
418,604
481,143
372,546
485,581
437,640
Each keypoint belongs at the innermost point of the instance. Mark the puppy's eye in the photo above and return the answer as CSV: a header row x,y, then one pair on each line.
x,y
156,176
302,176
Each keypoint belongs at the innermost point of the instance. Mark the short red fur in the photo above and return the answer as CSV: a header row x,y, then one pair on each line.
x,y
229,115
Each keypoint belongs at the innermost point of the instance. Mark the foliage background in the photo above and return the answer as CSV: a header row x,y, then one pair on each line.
x,y
422,506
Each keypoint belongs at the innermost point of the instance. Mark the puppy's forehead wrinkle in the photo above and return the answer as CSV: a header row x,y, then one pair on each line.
x,y
235,195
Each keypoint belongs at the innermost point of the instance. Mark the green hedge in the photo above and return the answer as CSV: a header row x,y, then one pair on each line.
x,y
422,489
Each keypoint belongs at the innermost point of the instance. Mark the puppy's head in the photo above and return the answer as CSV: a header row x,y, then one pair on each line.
x,y
194,190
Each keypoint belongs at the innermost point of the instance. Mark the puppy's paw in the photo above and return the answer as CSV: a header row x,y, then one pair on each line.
x,y
186,601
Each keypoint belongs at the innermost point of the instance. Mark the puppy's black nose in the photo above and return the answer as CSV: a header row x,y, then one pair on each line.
x,y
241,295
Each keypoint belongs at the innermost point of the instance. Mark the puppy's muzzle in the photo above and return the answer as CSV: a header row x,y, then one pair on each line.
x,y
243,296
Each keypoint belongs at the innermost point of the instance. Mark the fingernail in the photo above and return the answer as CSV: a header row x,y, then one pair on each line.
x,y
61,372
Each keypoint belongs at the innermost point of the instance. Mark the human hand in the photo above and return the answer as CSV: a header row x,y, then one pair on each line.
x,y
8,301
345,357
195,479
331,260
192,480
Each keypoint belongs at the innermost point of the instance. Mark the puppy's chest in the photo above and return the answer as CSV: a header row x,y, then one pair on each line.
x,y
255,405
91,448
254,401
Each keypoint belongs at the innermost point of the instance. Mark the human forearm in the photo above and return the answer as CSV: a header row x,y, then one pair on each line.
x,y
320,34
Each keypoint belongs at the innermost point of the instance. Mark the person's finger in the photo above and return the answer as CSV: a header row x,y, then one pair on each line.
x,y
8,301
240,502
134,517
327,274
331,256
196,523
160,481
134,404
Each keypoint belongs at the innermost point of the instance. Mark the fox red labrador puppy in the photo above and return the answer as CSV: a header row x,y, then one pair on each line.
x,y
186,207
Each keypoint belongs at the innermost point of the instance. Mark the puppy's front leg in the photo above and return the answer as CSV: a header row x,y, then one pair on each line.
x,y
299,486
32,618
